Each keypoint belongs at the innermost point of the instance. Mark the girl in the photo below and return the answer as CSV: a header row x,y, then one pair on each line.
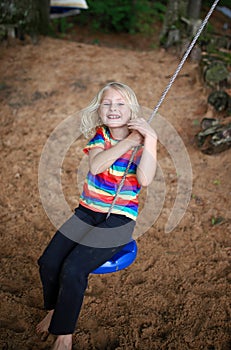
x,y
89,237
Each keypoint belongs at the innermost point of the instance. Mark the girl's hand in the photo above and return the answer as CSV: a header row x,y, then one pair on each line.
x,y
143,127
147,165
135,138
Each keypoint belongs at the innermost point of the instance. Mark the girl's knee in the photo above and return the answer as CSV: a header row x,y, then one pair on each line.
x,y
74,276
48,264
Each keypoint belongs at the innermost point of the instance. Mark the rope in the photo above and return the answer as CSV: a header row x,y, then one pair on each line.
x,y
171,81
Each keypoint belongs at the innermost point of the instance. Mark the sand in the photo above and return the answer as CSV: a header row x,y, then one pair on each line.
x,y
176,295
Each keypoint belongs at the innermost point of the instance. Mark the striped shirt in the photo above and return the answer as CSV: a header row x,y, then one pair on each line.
x,y
99,190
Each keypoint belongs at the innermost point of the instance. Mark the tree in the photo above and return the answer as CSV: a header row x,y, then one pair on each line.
x,y
26,16
194,9
43,7
181,20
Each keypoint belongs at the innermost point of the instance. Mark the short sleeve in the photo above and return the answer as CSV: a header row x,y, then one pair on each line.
x,y
138,156
98,141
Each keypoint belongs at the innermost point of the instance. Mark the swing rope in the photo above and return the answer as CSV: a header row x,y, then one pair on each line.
x,y
171,81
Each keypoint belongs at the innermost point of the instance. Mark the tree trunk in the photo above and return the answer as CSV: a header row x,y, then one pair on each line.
x,y
170,33
194,9
193,17
43,7
26,16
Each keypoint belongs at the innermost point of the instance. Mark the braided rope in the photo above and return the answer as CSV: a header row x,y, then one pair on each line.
x,y
171,81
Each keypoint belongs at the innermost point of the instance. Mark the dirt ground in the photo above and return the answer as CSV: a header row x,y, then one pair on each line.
x,y
176,295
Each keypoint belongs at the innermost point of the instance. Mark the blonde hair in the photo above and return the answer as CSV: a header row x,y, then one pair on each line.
x,y
89,115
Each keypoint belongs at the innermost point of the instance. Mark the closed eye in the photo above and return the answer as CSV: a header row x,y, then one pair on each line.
x,y
109,104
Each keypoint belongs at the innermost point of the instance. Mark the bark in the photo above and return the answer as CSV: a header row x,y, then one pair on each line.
x,y
194,9
170,33
175,9
26,16
43,7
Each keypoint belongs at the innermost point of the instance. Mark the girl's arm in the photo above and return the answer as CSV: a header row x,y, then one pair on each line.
x,y
147,167
100,159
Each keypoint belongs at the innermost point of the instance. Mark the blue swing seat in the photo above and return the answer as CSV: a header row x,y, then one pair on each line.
x,y
120,260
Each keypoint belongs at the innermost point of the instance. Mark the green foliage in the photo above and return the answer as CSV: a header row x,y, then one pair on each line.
x,y
217,182
122,15
61,26
217,220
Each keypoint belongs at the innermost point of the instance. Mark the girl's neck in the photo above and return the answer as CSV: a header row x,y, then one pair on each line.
x,y
119,133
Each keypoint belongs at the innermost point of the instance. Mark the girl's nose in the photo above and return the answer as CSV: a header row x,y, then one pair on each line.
x,y
113,106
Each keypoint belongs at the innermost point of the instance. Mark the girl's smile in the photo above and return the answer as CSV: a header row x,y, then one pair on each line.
x,y
113,117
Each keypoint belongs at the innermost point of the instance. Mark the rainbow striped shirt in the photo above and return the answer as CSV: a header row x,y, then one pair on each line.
x,y
99,190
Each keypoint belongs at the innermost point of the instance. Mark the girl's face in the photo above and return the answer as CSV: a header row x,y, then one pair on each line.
x,y
114,109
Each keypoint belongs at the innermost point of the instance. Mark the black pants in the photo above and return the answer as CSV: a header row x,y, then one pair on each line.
x,y
66,263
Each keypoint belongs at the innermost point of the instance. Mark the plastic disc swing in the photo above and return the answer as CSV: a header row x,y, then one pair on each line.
x,y
127,255
120,260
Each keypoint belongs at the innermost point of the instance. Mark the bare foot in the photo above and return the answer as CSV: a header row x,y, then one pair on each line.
x,y
43,326
63,342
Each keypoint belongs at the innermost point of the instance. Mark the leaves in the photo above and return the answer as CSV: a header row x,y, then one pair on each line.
x,y
123,16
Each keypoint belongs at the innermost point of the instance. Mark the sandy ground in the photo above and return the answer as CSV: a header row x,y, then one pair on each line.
x,y
176,295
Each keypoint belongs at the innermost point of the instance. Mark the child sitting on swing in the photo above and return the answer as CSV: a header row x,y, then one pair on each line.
x,y
91,237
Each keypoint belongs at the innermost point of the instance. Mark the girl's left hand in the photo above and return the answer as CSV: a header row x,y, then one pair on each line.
x,y
143,127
